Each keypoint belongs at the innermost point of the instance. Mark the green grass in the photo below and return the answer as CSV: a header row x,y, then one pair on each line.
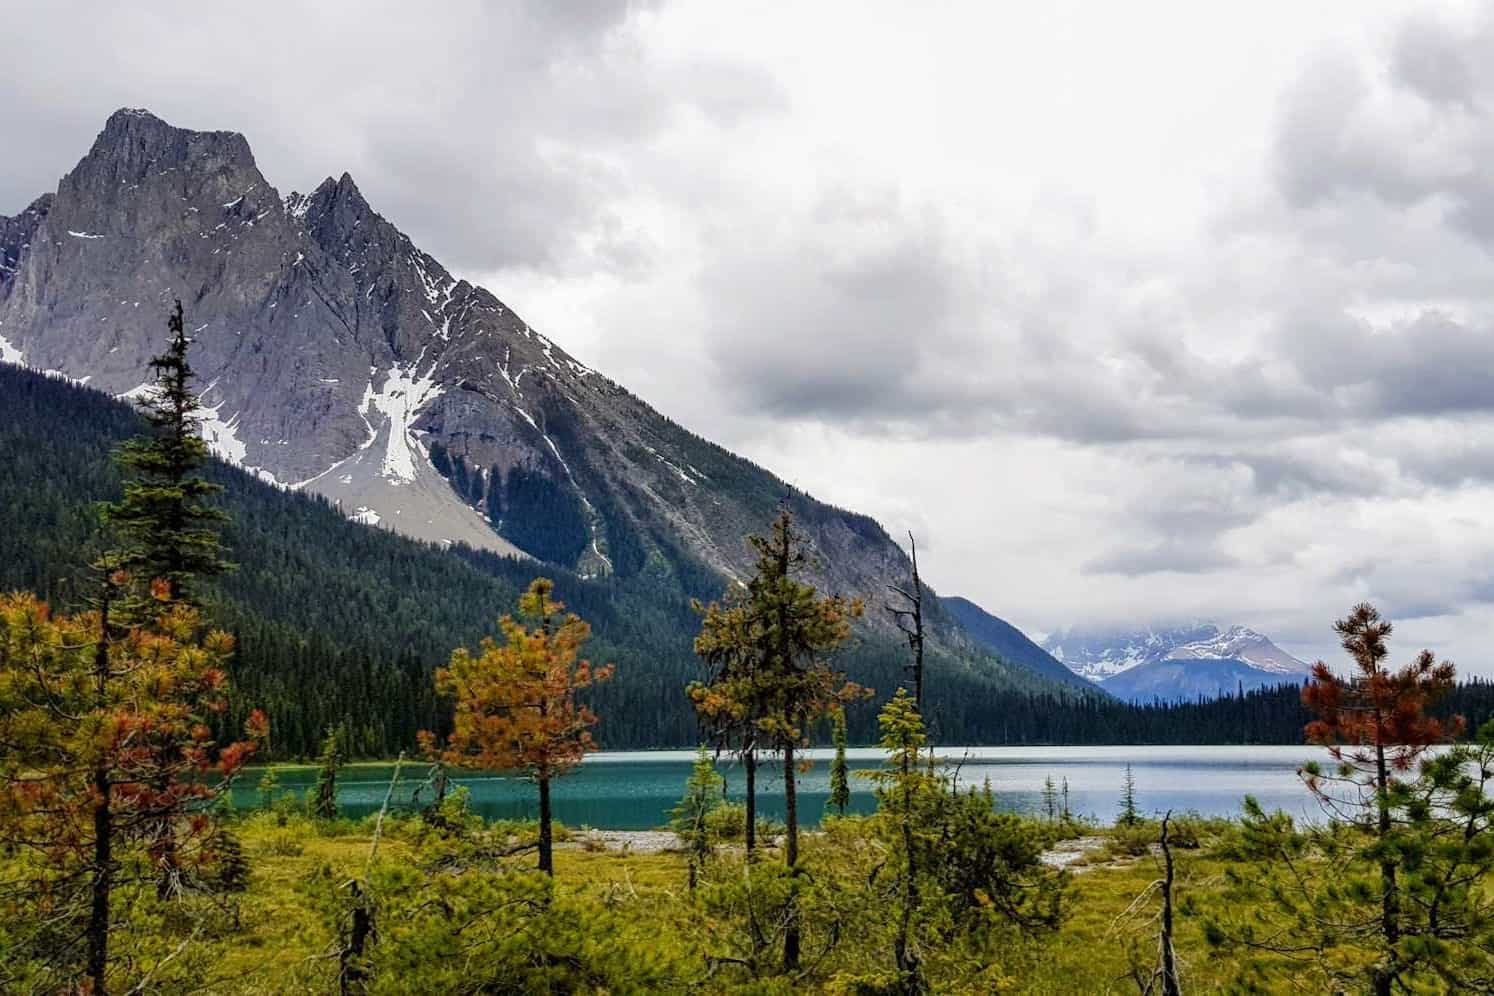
x,y
282,940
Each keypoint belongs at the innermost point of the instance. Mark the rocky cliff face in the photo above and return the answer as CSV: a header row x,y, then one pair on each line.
x,y
334,355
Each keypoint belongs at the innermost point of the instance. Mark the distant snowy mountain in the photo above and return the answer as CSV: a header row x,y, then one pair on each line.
x,y
1197,658
1097,655
1241,643
1174,680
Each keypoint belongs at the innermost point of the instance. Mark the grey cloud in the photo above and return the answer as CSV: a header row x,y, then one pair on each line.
x,y
1139,561
1342,134
1428,366
492,133
1429,58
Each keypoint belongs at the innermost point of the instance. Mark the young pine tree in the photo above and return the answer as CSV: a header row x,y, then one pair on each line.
x,y
1129,816
323,802
840,781
516,707
688,818
904,794
1050,799
170,530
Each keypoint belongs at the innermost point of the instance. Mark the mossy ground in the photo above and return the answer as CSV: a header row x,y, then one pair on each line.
x,y
282,942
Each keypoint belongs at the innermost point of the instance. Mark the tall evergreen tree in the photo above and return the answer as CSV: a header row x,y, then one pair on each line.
x,y
840,781
796,629
170,530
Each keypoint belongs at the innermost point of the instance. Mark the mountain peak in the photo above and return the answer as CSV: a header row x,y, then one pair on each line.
x,y
138,139
337,356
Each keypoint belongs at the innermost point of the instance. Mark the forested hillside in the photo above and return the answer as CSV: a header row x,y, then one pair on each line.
x,y
338,622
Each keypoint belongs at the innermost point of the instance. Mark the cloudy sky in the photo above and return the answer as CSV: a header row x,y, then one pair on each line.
x,y
1131,312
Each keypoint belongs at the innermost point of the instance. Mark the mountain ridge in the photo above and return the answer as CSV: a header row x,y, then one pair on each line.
x,y
1008,642
338,357
1172,662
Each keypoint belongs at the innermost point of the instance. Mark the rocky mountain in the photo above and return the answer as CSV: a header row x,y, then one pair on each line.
x,y
1175,662
336,356
1188,680
1006,641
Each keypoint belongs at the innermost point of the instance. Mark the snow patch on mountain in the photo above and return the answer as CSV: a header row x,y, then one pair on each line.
x,y
10,354
1241,643
400,400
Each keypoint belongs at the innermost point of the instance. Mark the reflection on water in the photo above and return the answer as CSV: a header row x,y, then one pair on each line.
x,y
634,790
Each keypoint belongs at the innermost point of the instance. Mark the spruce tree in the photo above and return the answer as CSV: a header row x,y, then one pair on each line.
x,y
323,803
840,782
1129,817
169,530
796,629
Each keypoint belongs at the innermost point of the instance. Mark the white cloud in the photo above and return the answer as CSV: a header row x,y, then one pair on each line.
x,y
1130,311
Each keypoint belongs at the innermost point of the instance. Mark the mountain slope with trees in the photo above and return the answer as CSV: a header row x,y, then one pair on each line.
x,y
1008,642
333,616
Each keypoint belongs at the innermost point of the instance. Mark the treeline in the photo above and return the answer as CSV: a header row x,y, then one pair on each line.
x,y
341,625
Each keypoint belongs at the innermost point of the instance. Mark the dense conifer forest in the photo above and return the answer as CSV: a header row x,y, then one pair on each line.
x,y
338,623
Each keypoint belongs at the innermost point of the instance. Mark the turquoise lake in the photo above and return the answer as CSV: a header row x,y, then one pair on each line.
x,y
634,790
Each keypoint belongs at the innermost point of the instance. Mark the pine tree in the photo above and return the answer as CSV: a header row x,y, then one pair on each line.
x,y
1375,725
904,796
1050,799
731,702
795,628
688,818
269,784
170,531
516,707
840,782
323,802
1068,814
106,745
1129,817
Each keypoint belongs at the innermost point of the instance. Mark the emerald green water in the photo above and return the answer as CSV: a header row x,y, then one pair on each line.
x,y
634,790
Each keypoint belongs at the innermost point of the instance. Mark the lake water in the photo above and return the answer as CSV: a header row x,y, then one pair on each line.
x,y
634,790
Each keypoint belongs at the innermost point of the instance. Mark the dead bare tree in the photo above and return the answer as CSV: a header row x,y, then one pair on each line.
x,y
909,619
1164,979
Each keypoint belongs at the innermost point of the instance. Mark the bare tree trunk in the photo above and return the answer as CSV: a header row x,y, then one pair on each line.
x,y
791,857
546,842
103,833
1390,906
909,619
353,975
749,762
1171,984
